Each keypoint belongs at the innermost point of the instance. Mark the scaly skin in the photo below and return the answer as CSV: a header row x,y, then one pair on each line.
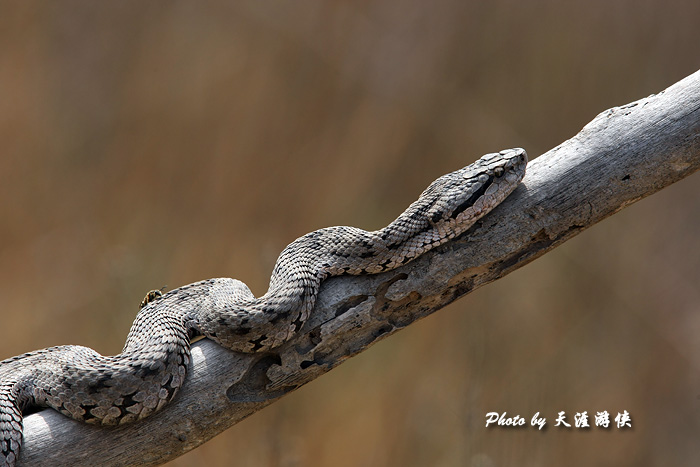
x,y
110,390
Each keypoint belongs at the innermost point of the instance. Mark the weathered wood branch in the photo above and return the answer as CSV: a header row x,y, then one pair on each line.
x,y
623,155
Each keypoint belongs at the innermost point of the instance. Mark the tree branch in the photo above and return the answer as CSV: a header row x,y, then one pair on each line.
x,y
623,155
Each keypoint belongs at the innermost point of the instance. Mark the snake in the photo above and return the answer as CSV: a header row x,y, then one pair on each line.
x,y
111,390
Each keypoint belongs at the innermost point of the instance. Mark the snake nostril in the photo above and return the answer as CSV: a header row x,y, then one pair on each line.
x,y
523,155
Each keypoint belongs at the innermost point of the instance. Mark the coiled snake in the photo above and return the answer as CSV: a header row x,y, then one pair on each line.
x,y
110,390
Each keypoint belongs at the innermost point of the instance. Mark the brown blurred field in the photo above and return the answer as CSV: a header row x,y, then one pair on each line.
x,y
153,143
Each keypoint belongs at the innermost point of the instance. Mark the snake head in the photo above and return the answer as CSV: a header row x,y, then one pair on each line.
x,y
468,194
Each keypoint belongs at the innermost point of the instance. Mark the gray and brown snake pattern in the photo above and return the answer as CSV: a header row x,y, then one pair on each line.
x,y
110,390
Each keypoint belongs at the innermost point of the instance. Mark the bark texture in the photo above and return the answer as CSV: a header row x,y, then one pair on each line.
x,y
623,155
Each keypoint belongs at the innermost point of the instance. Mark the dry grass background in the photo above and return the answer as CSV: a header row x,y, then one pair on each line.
x,y
152,143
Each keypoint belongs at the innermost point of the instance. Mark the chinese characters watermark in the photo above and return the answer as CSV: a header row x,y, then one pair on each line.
x,y
581,420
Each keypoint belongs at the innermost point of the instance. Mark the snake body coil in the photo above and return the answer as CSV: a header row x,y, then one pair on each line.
x,y
110,390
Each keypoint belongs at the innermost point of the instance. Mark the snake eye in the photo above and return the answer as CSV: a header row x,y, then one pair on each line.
x,y
498,171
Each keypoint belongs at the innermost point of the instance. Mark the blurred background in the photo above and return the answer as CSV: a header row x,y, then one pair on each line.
x,y
153,143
